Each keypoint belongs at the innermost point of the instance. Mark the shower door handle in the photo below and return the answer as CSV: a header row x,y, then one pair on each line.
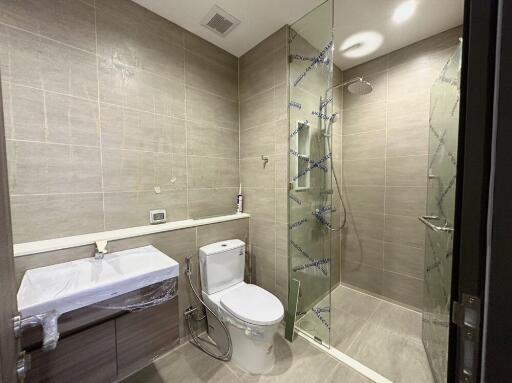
x,y
426,220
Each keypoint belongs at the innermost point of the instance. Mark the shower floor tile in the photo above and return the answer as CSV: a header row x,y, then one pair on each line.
x,y
383,336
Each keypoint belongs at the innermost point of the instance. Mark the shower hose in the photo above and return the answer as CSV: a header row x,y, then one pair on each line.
x,y
196,341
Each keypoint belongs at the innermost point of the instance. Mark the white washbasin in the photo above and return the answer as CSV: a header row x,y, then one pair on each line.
x,y
68,286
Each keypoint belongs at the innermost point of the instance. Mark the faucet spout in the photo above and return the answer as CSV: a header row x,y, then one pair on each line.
x,y
101,249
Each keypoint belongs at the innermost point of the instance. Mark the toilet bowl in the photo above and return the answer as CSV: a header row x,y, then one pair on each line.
x,y
251,313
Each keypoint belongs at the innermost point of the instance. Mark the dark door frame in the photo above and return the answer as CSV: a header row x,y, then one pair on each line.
x,y
497,334
473,170
482,264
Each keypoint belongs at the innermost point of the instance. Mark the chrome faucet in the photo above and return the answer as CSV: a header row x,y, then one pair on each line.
x,y
101,249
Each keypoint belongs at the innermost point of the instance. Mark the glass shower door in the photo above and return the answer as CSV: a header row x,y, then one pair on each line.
x,y
442,172
310,190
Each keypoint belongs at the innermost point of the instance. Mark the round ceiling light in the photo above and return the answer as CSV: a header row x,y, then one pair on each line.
x,y
404,11
361,44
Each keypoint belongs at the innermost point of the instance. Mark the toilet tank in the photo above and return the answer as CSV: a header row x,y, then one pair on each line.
x,y
221,265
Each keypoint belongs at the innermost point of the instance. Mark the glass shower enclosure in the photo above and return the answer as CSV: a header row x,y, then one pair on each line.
x,y
440,212
310,182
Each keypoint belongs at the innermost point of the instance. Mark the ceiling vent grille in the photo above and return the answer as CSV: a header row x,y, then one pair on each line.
x,y
219,21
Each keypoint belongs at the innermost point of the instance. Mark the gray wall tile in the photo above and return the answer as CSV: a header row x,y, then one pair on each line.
x,y
364,145
211,202
203,73
39,168
38,217
149,141
204,140
117,216
71,22
390,124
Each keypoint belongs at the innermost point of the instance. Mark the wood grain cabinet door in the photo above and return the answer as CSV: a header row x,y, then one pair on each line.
x,y
144,335
86,357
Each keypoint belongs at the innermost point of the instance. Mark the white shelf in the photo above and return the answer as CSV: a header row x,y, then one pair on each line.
x,y
36,247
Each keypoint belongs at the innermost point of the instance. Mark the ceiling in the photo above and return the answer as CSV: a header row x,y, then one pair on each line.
x,y
261,18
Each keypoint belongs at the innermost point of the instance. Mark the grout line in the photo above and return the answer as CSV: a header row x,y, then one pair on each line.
x,y
187,180
385,160
51,39
99,117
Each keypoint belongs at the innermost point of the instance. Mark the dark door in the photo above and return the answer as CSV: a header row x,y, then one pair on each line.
x,y
472,190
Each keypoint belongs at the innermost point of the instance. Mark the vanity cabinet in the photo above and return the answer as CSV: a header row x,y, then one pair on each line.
x,y
100,346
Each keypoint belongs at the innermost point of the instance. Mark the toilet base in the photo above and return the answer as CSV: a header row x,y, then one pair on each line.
x,y
253,351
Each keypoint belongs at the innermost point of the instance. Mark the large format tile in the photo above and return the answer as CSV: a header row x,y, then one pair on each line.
x,y
117,216
403,288
71,120
203,73
395,356
205,140
133,36
24,113
68,21
368,172
130,170
139,89
407,230
238,229
186,364
215,110
125,128
38,217
406,200
407,171
200,46
362,250
212,202
364,118
404,259
40,168
45,64
208,172
364,145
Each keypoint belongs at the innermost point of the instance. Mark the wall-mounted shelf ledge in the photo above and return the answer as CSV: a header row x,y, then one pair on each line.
x,y
36,247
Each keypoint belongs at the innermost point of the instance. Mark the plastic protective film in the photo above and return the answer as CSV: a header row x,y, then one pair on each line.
x,y
138,300
249,330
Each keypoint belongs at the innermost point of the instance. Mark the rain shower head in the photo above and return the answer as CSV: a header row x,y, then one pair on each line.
x,y
360,87
357,86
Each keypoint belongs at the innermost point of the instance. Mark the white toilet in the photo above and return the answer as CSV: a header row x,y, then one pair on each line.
x,y
251,313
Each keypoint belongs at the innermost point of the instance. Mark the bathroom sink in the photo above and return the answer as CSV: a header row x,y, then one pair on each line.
x,y
69,286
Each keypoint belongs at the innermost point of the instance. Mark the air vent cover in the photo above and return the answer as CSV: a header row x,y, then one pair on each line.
x,y
219,21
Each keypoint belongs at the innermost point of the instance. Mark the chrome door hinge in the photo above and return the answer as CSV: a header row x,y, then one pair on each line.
x,y
22,366
467,316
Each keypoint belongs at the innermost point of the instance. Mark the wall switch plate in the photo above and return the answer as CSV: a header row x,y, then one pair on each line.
x,y
157,216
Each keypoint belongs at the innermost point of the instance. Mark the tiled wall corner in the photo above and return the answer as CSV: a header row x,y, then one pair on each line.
x,y
385,150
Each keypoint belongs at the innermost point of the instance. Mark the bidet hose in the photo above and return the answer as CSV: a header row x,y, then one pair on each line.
x,y
196,341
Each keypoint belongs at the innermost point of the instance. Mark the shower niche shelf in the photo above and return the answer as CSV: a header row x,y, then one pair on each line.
x,y
301,145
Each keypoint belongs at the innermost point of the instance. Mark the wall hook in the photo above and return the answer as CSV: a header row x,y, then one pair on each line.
x,y
265,160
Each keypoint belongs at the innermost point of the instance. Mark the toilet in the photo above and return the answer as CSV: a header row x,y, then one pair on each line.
x,y
251,314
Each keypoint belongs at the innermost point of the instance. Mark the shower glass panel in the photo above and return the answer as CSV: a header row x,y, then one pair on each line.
x,y
310,189
442,168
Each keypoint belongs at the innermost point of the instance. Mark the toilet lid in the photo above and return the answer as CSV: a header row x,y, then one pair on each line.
x,y
253,304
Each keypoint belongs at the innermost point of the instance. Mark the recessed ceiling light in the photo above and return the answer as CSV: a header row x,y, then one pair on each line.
x,y
404,11
361,44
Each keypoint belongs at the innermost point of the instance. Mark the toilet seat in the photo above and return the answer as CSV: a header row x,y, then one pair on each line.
x,y
254,305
